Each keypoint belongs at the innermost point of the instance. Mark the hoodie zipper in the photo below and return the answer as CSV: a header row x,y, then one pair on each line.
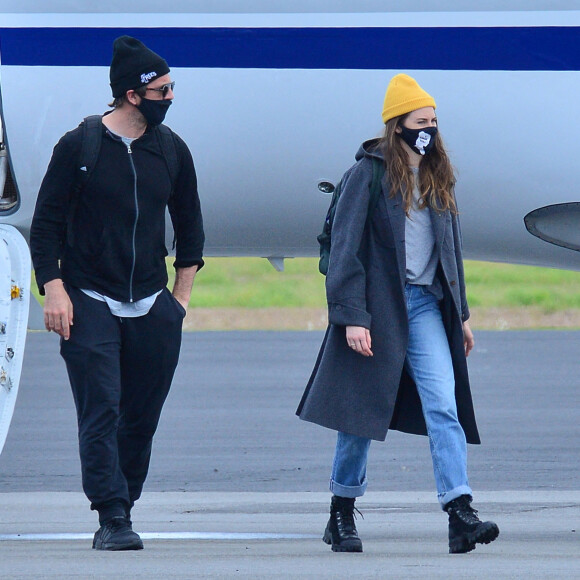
x,y
133,239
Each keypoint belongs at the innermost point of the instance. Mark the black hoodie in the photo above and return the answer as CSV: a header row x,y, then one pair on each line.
x,y
118,224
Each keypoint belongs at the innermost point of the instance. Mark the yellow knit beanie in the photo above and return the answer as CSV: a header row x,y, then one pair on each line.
x,y
403,96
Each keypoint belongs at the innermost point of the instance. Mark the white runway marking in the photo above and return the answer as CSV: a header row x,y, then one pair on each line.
x,y
162,536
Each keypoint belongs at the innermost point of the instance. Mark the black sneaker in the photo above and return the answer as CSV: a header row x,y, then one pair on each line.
x,y
465,528
341,531
117,534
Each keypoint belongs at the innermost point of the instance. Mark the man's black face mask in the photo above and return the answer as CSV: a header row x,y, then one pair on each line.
x,y
154,111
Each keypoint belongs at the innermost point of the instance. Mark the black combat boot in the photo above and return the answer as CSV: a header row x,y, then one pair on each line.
x,y
341,531
465,528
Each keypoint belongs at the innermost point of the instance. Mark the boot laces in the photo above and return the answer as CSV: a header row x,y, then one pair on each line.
x,y
465,512
345,518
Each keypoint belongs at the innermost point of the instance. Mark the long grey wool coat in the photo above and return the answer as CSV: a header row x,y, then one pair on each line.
x,y
366,396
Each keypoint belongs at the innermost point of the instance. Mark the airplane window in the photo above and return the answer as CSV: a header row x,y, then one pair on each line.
x,y
8,194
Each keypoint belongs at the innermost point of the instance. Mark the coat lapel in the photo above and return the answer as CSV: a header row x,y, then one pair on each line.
x,y
396,218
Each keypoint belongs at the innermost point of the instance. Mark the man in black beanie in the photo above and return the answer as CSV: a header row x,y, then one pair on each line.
x,y
98,247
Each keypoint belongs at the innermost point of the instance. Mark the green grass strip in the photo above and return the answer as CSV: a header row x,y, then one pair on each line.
x,y
253,283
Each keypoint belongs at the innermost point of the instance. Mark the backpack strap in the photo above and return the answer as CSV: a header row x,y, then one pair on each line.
x,y
375,189
92,133
166,139
324,238
91,146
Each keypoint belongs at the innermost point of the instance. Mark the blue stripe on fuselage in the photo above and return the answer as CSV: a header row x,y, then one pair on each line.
x,y
501,48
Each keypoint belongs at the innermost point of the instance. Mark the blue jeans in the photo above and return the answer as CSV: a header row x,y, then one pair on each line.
x,y
428,362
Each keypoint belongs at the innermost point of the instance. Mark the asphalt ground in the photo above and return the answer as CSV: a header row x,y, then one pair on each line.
x,y
237,486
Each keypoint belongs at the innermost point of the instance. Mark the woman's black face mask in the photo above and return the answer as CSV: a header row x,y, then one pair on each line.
x,y
419,140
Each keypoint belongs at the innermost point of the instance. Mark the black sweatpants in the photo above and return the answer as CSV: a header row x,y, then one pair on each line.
x,y
120,370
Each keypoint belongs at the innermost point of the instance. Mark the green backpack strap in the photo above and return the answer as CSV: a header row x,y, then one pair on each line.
x,y
324,239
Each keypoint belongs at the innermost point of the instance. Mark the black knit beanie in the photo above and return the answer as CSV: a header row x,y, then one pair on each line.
x,y
133,65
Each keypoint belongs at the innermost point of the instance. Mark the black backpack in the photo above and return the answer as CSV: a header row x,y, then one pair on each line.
x,y
91,145
92,127
324,239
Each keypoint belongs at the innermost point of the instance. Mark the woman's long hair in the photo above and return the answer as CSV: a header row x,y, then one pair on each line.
x,y
436,177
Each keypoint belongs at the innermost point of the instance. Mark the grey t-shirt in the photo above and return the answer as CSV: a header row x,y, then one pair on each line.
x,y
420,248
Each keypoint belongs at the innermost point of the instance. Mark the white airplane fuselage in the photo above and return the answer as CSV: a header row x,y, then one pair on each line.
x,y
273,101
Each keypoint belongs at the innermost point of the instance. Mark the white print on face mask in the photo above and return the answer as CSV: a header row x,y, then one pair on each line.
x,y
423,139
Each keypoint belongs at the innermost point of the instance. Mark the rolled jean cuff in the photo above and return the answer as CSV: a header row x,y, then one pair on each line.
x,y
445,498
348,490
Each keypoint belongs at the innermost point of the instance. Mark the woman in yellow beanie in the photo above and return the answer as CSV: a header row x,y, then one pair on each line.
x,y
394,355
